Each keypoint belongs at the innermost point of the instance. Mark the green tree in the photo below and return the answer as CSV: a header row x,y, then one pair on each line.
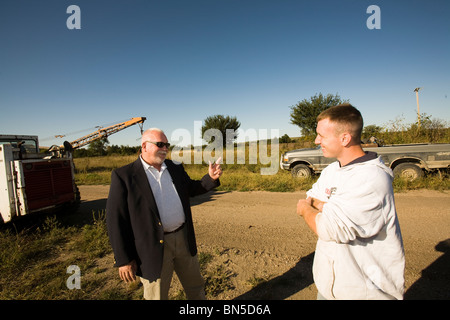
x,y
285,139
221,123
371,131
98,147
305,112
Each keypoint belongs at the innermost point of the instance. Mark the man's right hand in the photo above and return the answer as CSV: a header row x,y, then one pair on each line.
x,y
316,203
128,272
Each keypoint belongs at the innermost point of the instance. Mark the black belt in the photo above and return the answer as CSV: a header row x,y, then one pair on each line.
x,y
176,230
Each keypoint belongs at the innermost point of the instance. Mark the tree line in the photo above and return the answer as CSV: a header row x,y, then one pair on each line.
x,y
430,130
303,115
102,148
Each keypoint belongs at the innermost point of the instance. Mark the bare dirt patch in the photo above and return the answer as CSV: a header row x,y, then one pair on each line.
x,y
266,250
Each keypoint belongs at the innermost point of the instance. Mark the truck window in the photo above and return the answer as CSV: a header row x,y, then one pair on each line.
x,y
29,146
26,145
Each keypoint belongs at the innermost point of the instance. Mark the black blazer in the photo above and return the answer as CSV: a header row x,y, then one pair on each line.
x,y
134,225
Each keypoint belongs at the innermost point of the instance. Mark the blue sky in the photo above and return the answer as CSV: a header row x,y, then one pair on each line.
x,y
176,62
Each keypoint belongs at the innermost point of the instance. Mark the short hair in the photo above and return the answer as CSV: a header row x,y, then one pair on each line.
x,y
146,132
346,116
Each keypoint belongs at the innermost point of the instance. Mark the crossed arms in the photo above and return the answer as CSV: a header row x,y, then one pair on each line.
x,y
309,208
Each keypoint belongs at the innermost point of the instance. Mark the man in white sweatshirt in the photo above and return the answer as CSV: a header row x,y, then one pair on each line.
x,y
359,253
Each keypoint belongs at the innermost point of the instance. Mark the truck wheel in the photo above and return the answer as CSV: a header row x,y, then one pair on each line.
x,y
301,171
408,171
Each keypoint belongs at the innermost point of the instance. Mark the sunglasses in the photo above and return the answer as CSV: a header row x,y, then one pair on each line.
x,y
160,144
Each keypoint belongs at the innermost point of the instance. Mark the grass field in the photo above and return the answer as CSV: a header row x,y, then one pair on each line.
x,y
36,253
237,177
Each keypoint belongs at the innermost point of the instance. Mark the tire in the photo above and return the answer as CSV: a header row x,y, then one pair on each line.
x,y
408,171
301,171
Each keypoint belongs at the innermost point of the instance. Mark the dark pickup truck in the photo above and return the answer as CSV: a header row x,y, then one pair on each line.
x,y
408,160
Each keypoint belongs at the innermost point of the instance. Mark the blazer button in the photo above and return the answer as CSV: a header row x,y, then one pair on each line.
x,y
161,241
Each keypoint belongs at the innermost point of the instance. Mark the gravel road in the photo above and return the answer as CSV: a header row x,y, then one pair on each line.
x,y
266,250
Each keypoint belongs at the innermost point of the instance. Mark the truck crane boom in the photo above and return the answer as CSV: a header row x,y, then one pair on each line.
x,y
31,181
105,132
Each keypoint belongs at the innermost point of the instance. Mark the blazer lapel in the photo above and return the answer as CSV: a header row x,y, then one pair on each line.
x,y
175,177
140,177
179,185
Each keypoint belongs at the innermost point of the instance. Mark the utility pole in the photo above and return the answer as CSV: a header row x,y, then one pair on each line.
x,y
416,90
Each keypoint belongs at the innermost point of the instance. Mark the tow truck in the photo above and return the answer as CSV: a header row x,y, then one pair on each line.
x,y
31,181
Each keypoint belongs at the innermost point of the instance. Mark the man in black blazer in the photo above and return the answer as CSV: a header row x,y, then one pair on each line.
x,y
149,219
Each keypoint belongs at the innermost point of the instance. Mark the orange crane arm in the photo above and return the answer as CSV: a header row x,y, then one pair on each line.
x,y
105,132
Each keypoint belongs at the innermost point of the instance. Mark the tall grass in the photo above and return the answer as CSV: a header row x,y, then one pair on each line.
x,y
35,256
431,130
27,259
97,170
438,181
237,177
34,260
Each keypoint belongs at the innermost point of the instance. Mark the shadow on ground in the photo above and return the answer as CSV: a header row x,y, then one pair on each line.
x,y
434,284
292,281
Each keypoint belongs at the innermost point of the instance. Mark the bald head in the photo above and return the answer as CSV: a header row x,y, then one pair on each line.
x,y
151,133
151,153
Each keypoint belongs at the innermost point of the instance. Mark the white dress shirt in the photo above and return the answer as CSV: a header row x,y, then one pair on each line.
x,y
166,196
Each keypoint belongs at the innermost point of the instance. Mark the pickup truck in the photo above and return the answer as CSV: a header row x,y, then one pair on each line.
x,y
409,161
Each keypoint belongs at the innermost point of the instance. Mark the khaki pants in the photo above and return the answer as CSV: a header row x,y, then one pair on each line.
x,y
176,258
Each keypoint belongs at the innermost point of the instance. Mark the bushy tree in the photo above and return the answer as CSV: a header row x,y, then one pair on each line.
x,y
98,147
305,112
285,139
221,123
371,131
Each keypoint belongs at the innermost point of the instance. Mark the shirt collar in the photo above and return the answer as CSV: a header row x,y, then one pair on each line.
x,y
150,167
369,155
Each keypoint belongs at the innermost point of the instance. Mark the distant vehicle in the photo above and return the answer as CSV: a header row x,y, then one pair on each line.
x,y
409,161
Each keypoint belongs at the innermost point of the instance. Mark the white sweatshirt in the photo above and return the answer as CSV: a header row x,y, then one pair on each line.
x,y
359,254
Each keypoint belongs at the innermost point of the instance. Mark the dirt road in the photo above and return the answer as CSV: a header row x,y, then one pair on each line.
x,y
266,250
